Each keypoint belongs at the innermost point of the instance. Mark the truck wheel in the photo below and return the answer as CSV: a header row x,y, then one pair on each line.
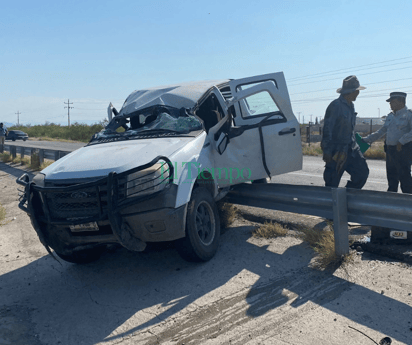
x,y
82,256
202,228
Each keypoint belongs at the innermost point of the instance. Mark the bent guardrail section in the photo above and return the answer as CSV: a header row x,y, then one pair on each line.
x,y
385,209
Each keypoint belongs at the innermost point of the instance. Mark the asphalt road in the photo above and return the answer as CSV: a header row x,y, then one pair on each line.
x,y
312,174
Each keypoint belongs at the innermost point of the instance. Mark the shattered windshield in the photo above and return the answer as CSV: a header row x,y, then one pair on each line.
x,y
154,122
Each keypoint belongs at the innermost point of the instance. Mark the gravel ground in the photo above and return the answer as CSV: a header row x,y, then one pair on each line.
x,y
254,291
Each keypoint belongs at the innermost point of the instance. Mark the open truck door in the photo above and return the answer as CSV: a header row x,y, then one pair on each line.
x,y
261,136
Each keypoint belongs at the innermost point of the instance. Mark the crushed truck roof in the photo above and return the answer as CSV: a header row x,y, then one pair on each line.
x,y
180,95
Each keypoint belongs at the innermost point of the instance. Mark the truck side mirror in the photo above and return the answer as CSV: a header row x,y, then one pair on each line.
x,y
222,142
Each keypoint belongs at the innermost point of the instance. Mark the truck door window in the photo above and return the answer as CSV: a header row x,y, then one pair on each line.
x,y
259,104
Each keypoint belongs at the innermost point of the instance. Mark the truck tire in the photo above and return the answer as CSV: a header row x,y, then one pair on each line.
x,y
202,228
82,256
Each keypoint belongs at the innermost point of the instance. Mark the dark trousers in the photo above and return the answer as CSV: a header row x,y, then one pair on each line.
x,y
398,168
355,166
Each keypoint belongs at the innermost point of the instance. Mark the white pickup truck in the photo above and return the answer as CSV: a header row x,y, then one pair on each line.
x,y
157,170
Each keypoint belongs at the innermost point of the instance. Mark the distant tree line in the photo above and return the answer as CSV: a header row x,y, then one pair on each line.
x,y
77,131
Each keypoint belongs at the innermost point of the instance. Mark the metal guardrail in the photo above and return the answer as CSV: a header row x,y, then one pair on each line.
x,y
43,153
384,209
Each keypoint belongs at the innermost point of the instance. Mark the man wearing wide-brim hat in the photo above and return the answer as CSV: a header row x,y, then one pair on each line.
x,y
398,131
340,150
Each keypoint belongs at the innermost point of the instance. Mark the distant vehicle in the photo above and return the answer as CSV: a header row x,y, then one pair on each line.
x,y
156,171
16,135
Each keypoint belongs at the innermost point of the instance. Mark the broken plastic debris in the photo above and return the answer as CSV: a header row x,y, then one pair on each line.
x,y
366,239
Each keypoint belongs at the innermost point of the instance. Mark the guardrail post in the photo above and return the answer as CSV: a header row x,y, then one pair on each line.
x,y
340,221
22,152
41,156
13,151
35,164
1,148
56,155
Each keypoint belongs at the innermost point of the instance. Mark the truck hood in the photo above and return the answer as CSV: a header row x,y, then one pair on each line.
x,y
99,160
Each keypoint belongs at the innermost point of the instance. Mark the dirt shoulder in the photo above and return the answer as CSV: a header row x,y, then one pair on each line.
x,y
255,291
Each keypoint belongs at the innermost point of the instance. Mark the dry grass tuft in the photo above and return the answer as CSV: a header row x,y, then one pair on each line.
x,y
375,151
312,150
227,214
323,243
270,230
45,164
17,160
6,157
25,161
2,213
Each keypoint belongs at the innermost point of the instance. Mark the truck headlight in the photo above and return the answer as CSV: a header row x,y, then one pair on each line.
x,y
148,181
39,179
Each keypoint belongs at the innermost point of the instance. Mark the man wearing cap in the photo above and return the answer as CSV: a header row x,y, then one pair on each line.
x,y
340,150
398,130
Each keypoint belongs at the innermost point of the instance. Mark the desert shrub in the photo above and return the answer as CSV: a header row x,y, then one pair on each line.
x,y
77,131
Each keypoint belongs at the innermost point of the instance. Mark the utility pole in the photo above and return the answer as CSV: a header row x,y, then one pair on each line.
x,y
68,110
310,117
299,116
18,113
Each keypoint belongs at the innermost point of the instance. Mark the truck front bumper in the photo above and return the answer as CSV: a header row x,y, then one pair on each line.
x,y
129,221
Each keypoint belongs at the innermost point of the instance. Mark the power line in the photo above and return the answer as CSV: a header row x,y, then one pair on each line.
x,y
362,94
350,68
364,69
321,99
68,110
318,81
378,82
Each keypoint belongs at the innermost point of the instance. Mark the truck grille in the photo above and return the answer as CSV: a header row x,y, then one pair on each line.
x,y
88,198
80,202
77,204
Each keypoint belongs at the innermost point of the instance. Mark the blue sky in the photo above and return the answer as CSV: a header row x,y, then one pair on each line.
x,y
94,52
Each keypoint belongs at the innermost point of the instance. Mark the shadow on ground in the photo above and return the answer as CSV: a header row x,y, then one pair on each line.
x,y
125,292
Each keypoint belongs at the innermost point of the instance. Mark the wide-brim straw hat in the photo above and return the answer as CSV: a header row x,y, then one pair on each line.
x,y
350,84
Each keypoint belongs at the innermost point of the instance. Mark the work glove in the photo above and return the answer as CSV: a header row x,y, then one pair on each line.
x,y
340,159
399,147
327,158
